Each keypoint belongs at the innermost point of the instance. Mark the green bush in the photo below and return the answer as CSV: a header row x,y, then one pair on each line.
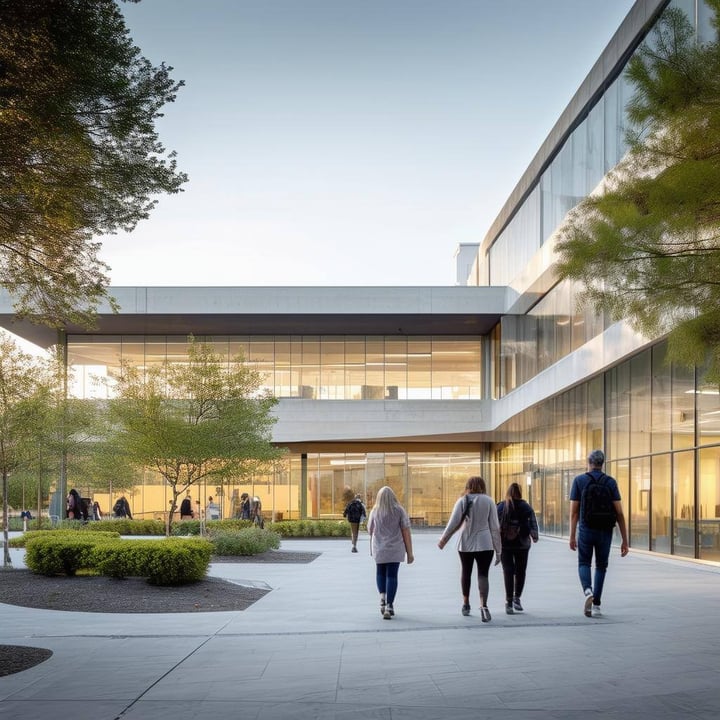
x,y
248,541
125,526
173,561
184,528
116,559
58,553
21,540
311,528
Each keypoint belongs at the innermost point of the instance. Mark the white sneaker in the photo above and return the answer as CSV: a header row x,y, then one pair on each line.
x,y
587,609
596,611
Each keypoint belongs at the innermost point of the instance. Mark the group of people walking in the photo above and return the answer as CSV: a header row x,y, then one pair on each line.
x,y
505,531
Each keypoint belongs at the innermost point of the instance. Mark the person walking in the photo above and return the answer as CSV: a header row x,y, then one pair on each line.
x,y
595,508
518,531
212,511
355,513
121,508
74,506
244,506
186,509
97,513
476,513
390,544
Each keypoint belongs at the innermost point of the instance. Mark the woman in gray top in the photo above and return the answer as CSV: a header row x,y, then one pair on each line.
x,y
390,542
476,513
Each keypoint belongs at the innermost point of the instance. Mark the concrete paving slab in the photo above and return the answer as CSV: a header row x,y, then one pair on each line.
x,y
316,646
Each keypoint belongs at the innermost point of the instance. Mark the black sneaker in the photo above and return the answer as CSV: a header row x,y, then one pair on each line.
x,y
354,549
485,614
465,610
517,605
509,608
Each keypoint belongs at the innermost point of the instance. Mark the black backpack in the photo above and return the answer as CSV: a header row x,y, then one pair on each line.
x,y
597,508
511,525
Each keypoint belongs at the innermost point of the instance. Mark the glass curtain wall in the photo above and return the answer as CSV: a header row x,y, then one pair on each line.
x,y
659,425
305,367
591,150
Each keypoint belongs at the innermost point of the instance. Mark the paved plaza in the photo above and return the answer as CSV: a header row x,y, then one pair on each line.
x,y
317,646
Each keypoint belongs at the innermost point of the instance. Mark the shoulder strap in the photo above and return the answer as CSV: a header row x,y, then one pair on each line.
x,y
600,479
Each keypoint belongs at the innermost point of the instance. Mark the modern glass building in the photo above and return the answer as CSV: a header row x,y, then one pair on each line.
x,y
421,387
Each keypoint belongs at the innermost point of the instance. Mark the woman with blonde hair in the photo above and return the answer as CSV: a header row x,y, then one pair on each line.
x,y
475,514
390,542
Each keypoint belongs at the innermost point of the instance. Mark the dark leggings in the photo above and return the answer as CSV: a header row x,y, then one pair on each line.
x,y
514,565
386,576
483,558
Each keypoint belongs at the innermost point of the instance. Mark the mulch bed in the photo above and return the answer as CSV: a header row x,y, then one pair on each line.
x,y
131,595
16,658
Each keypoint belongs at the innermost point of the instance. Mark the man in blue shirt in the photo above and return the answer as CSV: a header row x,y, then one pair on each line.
x,y
595,539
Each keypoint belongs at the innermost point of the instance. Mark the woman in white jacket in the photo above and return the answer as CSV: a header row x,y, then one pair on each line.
x,y
475,514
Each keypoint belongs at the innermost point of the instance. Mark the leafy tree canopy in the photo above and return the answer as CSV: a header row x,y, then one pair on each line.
x,y
199,419
24,398
79,152
648,247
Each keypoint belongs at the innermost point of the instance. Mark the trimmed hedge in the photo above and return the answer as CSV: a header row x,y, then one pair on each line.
x,y
170,561
192,527
124,526
311,528
21,540
248,541
58,553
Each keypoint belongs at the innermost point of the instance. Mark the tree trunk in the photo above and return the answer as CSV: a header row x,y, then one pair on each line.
x,y
7,562
173,508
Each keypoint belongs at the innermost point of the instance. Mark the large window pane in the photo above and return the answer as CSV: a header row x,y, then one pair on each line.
x,y
419,368
708,408
618,411
396,368
683,411
332,368
709,504
684,503
661,401
660,504
354,368
640,406
639,502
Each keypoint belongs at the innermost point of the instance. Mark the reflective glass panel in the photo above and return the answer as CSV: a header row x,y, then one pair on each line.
x,y
684,503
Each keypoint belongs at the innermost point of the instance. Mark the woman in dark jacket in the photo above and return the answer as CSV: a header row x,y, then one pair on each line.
x,y
518,531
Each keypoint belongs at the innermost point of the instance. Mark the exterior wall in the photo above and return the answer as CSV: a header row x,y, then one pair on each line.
x,y
656,423
555,382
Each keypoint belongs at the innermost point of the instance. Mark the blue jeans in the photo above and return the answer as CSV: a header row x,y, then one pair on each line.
x,y
386,575
591,541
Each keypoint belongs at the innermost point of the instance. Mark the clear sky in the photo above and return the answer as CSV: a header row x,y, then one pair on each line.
x,y
348,142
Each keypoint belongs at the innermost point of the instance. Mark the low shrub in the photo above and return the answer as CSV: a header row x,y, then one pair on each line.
x,y
125,526
184,528
311,528
247,541
58,553
20,541
116,559
173,561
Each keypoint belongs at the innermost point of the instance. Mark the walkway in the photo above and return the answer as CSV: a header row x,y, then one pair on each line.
x,y
317,647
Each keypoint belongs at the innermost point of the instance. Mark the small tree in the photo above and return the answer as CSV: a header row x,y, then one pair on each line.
x,y
23,401
648,248
200,419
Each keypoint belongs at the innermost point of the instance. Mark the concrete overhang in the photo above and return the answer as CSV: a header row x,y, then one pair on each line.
x,y
458,310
